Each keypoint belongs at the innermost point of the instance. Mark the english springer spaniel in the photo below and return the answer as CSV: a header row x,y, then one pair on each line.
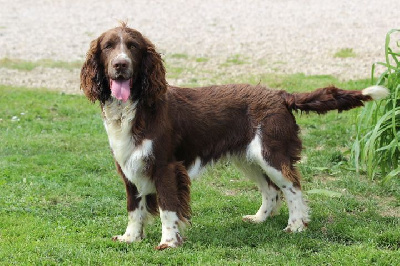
x,y
163,136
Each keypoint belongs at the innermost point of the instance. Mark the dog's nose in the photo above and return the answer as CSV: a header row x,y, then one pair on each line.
x,y
120,64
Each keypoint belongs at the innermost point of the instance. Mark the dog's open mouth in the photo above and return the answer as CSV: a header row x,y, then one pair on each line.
x,y
121,88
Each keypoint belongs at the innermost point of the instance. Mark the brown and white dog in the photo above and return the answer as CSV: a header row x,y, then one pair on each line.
x,y
163,136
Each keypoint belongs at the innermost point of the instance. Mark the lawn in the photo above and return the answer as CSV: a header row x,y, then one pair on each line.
x,y
61,200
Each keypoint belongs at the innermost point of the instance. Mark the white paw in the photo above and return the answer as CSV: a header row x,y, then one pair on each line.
x,y
127,238
296,226
253,219
166,245
171,236
171,243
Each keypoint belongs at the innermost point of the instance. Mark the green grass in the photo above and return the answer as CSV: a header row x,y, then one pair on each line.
x,y
236,59
179,56
345,53
61,200
30,65
201,59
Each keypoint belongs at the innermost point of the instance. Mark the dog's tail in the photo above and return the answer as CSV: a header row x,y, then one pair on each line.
x,y
331,98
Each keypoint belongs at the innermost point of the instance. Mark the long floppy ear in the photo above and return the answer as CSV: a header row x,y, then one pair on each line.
x,y
152,71
93,80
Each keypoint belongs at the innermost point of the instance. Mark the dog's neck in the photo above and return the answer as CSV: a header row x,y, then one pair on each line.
x,y
116,110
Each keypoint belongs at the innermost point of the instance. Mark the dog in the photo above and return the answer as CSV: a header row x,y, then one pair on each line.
x,y
163,136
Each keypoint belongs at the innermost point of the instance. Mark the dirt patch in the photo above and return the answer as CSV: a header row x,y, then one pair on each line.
x,y
388,206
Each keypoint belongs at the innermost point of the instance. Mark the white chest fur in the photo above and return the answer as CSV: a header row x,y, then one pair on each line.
x,y
118,117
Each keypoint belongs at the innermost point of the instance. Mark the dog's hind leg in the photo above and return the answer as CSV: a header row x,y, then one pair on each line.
x,y
173,194
278,167
298,209
287,180
271,196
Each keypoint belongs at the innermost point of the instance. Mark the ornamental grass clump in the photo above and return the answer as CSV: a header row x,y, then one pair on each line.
x,y
377,147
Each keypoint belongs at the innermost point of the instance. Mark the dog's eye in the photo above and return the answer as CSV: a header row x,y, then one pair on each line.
x,y
133,46
107,46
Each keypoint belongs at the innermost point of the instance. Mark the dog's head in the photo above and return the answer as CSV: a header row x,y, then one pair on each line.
x,y
123,64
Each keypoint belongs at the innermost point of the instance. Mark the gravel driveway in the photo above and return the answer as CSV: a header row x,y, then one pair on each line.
x,y
288,36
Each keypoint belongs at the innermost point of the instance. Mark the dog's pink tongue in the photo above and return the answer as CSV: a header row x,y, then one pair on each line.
x,y
121,89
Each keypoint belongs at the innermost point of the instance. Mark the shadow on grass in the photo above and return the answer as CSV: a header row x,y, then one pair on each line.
x,y
342,227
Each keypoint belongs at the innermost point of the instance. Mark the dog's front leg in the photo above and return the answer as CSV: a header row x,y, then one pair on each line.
x,y
173,194
137,213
